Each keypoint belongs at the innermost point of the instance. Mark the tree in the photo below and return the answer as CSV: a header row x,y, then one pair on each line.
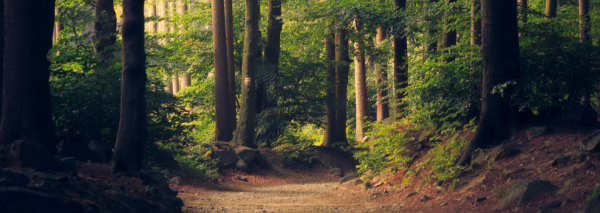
x,y
245,132
584,36
383,109
476,23
330,107
105,28
224,118
500,48
186,80
449,36
551,9
128,152
523,11
342,68
230,57
272,49
400,57
360,84
26,110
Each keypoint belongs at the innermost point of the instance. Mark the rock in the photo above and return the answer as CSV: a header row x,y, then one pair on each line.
x,y
462,200
245,153
15,198
337,172
25,154
411,194
480,199
439,183
444,204
209,178
242,178
523,190
425,198
583,114
175,180
536,131
242,166
13,177
590,143
478,156
225,157
504,151
101,149
593,205
359,181
80,152
261,161
547,206
135,204
560,160
348,177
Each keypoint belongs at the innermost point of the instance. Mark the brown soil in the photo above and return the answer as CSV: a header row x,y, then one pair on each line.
x,y
314,190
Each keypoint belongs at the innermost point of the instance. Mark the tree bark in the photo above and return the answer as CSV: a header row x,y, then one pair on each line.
x,y
551,8
342,58
153,25
523,11
500,64
383,109
105,28
584,21
272,49
330,107
360,84
128,152
400,69
476,23
26,109
186,80
223,130
449,36
230,58
245,129
175,83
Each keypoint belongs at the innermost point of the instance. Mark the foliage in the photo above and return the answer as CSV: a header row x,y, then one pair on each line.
x,y
388,147
296,140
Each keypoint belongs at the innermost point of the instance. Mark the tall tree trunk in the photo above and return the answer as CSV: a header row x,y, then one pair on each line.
x,y
523,11
400,69
330,107
383,109
272,49
2,55
476,23
224,118
449,36
551,8
175,83
128,152
105,28
360,84
245,129
230,58
186,80
26,109
584,36
153,25
342,58
500,64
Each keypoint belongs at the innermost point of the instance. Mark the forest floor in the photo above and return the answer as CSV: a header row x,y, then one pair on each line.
x,y
282,189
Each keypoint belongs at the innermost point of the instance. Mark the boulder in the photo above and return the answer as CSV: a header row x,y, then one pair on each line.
x,y
15,198
242,166
242,178
225,157
523,190
12,177
504,151
135,204
26,154
583,114
548,206
348,177
593,205
101,149
80,152
536,131
337,172
175,180
245,153
590,143
261,161
560,160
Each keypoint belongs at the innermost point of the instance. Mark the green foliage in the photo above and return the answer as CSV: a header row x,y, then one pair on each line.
x,y
388,148
296,140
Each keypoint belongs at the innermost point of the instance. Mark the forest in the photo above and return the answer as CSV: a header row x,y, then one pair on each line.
x,y
299,106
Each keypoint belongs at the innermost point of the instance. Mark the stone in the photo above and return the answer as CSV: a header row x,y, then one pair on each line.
x,y
260,160
14,198
583,114
175,180
560,160
480,199
135,204
411,194
26,154
13,177
242,178
462,200
591,142
523,190
547,206
593,205
444,204
101,149
357,182
245,153
242,166
337,172
225,157
425,198
536,131
348,177
504,151
80,152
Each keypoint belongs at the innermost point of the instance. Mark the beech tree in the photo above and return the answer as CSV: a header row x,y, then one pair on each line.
x,y
186,80
523,13
224,118
400,58
341,81
383,109
105,26
551,8
229,36
26,110
128,152
329,136
360,84
500,48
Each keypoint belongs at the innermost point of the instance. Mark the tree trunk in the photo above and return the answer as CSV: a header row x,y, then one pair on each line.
x,y
105,28
186,80
153,24
500,64
224,118
169,87
341,80
584,36
175,83
523,11
383,109
230,59
330,107
551,9
245,130
476,23
449,36
272,49
360,84
400,69
128,152
26,109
